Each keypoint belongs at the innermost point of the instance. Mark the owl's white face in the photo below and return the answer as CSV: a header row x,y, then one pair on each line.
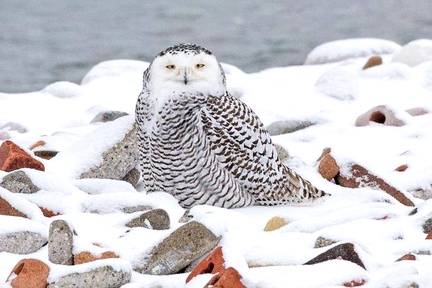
x,y
186,72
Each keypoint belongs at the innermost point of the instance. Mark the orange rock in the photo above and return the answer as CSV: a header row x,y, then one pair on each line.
x,y
402,168
7,209
13,157
407,257
213,263
29,273
37,144
228,279
429,236
85,257
373,61
355,283
360,176
48,213
328,167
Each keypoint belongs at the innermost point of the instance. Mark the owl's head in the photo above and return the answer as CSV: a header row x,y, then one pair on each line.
x,y
185,68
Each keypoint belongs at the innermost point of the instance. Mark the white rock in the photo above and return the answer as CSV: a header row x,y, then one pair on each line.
x,y
339,82
414,53
350,48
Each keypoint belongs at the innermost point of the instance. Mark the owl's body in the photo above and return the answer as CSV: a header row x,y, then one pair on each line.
x,y
204,146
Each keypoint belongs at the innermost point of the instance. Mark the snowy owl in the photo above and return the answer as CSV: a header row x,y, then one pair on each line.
x,y
204,146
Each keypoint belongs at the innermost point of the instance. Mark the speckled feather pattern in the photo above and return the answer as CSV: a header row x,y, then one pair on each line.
x,y
206,149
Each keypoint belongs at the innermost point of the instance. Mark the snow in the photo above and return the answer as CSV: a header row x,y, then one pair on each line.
x,y
336,93
414,53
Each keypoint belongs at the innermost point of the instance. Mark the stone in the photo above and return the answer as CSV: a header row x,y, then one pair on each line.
x,y
156,219
288,126
427,226
101,277
213,263
85,257
354,283
19,182
422,193
429,236
229,278
12,157
359,176
7,209
417,111
407,257
46,154
323,242
373,61
178,250
344,251
60,243
414,53
21,242
133,209
281,152
340,82
402,168
37,144
379,114
12,126
107,116
328,167
118,161
186,217
132,177
275,223
48,213
29,273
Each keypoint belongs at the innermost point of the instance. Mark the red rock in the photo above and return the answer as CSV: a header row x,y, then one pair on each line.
x,y
328,167
361,177
402,168
373,61
213,263
13,157
228,279
30,273
85,257
379,114
429,236
48,213
406,257
355,283
7,209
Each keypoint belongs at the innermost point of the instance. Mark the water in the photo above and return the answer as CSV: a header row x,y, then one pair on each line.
x,y
45,41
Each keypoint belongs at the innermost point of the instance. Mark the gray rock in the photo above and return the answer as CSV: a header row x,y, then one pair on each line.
x,y
103,277
288,126
117,161
12,126
107,116
19,182
133,209
323,242
22,242
427,226
156,219
178,250
60,243
132,177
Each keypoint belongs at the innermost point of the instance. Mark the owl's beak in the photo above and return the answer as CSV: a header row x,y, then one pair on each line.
x,y
186,76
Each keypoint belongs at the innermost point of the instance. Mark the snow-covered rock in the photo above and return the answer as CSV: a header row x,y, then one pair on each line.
x,y
414,53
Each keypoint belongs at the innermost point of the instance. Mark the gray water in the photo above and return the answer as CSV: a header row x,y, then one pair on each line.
x,y
43,41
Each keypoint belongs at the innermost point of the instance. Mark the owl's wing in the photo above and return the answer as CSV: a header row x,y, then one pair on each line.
x,y
244,147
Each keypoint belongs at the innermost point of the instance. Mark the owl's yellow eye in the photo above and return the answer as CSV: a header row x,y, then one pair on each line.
x,y
171,66
199,66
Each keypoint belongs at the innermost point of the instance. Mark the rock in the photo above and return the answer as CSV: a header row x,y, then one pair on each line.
x,y
323,242
328,167
414,53
133,209
213,263
427,226
13,157
402,168
107,116
48,213
19,182
11,126
379,114
60,243
350,48
85,257
422,194
37,144
373,61
407,257
358,176
288,126
340,82
429,236
63,89
275,223
282,152
417,111
178,250
8,209
46,154
29,273
21,242
354,283
186,217
342,251
101,277
132,177
156,219
229,278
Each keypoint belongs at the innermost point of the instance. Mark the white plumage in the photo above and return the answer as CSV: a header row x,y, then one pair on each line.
x,y
204,146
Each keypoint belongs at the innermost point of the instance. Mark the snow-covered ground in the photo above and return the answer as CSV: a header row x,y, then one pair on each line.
x,y
331,91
